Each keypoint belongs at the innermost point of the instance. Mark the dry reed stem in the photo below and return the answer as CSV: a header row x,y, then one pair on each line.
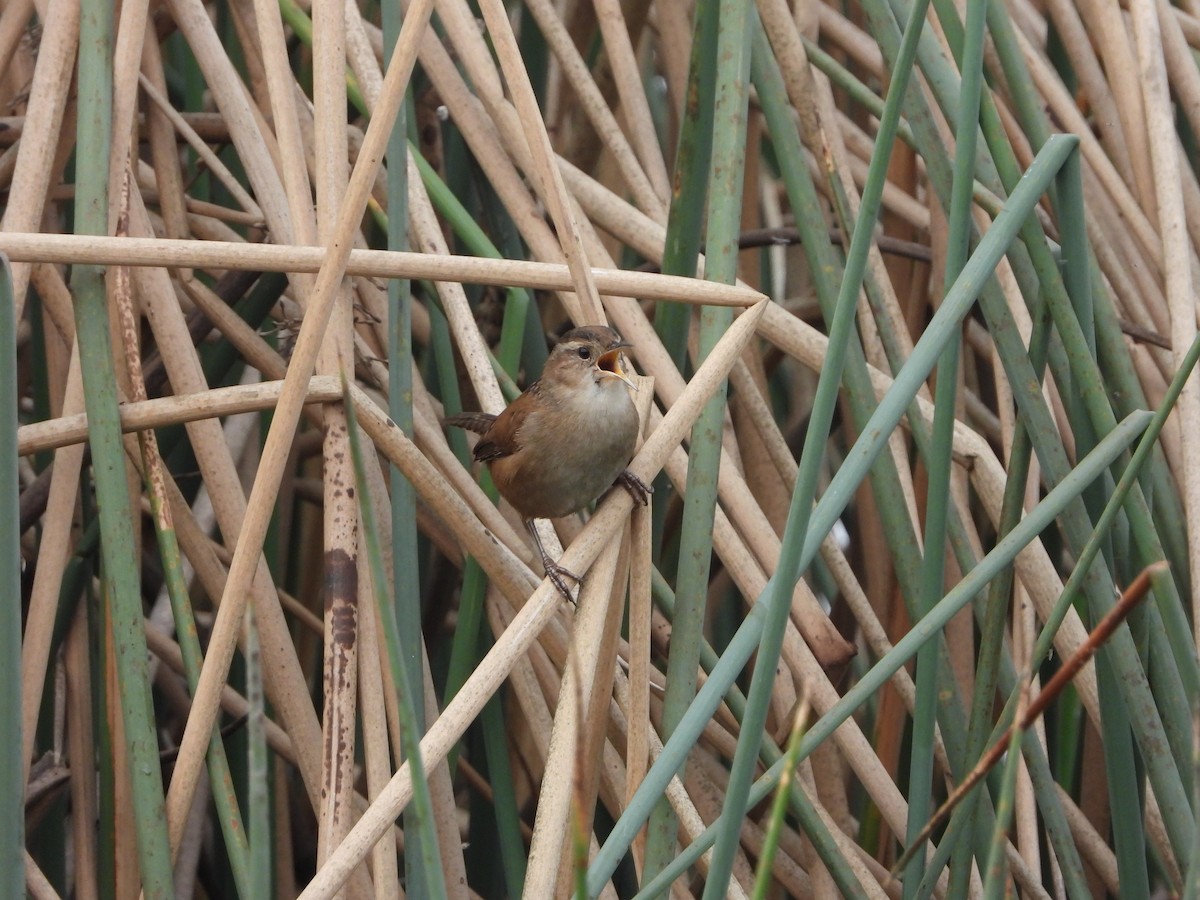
x,y
547,176
284,682
286,119
246,126
206,559
445,809
601,764
40,138
635,108
377,761
211,160
291,258
1178,257
637,706
427,235
47,581
506,569
592,101
36,882
84,797
168,179
56,300
568,752
582,306
339,513
127,56
141,415
534,680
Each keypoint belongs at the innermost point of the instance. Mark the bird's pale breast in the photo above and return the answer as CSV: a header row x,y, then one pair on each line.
x,y
582,446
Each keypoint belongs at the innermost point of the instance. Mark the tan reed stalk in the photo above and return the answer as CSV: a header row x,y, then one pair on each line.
x,y
48,101
374,263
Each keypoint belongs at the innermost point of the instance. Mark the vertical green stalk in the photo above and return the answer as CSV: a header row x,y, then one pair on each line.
x,y
762,879
517,301
938,460
1145,449
12,788
406,586
724,207
224,796
1124,781
995,613
472,640
1124,784
504,796
121,574
689,183
1118,386
400,381
778,599
681,249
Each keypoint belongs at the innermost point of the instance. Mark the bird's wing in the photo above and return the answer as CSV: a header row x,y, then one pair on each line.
x,y
500,434
494,443
500,440
487,451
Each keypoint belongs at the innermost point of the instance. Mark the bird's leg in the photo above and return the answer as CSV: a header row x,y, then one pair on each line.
x,y
554,571
638,489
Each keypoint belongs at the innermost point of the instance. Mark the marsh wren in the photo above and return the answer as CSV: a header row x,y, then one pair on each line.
x,y
567,438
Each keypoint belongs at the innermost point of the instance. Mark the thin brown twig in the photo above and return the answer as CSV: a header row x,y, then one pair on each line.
x,y
1133,595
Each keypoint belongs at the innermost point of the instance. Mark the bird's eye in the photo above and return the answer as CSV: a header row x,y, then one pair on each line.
x,y
584,352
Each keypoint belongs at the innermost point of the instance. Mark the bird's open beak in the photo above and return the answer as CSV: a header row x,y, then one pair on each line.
x,y
610,363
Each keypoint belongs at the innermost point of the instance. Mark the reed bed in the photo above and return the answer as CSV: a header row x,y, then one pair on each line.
x,y
910,292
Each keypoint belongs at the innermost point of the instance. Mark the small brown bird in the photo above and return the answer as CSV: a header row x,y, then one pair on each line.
x,y
567,438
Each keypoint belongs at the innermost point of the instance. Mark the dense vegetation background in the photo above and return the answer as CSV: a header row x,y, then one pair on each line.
x,y
910,292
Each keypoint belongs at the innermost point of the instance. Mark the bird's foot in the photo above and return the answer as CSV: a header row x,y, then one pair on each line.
x,y
557,575
638,489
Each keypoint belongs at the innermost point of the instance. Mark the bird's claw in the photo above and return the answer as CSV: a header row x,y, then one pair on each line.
x,y
556,574
637,489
